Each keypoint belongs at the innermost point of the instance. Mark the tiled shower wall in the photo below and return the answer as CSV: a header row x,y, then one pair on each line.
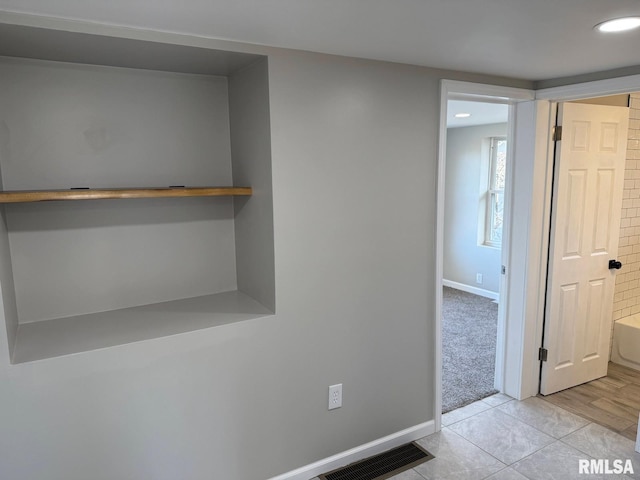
x,y
626,300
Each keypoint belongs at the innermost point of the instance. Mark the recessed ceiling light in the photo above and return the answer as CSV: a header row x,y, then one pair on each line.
x,y
619,24
462,115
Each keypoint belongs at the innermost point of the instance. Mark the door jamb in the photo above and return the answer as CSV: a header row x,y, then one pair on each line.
x,y
487,93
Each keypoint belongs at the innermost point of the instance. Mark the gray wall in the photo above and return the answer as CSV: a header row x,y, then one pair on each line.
x,y
354,148
76,125
354,161
463,256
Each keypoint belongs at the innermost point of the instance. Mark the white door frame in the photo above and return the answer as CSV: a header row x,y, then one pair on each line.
x,y
486,93
539,222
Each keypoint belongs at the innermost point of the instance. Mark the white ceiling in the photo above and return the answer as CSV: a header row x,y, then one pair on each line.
x,y
481,113
529,39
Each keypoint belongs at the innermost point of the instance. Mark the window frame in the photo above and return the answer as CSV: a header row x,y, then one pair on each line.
x,y
491,191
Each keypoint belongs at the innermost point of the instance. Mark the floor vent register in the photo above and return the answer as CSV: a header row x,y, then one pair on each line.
x,y
383,465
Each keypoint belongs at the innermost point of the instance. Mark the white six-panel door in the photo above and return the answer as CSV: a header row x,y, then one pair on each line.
x,y
585,223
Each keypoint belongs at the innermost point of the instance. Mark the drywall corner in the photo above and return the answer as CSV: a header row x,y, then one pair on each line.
x,y
8,298
251,164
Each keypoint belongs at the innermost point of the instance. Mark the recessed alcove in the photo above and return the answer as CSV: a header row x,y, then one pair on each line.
x,y
136,181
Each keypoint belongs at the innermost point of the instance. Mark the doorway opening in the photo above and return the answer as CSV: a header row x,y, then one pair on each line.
x,y
475,181
597,158
521,113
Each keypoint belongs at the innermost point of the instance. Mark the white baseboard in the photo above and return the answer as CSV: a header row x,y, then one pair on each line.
x,y
469,289
358,453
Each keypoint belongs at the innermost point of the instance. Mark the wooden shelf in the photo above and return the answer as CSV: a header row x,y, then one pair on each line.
x,y
23,196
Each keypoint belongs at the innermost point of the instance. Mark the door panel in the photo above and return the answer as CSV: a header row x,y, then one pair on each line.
x,y
595,311
604,210
575,213
588,183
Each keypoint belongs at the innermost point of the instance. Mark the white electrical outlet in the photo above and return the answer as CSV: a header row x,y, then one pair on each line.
x,y
335,396
479,278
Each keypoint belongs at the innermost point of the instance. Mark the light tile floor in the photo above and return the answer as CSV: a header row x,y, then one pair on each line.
x,y
499,438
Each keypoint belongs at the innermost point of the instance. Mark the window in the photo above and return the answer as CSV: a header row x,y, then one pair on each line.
x,y
495,192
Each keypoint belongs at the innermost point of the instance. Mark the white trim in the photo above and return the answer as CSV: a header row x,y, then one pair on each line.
x,y
485,93
504,286
537,247
469,289
524,259
358,453
450,89
598,88
437,308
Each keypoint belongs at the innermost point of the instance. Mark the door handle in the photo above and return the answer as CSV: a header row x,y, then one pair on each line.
x,y
615,264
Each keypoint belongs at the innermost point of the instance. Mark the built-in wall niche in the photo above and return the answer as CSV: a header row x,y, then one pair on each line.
x,y
137,202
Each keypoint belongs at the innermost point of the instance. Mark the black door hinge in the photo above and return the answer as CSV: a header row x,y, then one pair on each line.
x,y
542,354
557,133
